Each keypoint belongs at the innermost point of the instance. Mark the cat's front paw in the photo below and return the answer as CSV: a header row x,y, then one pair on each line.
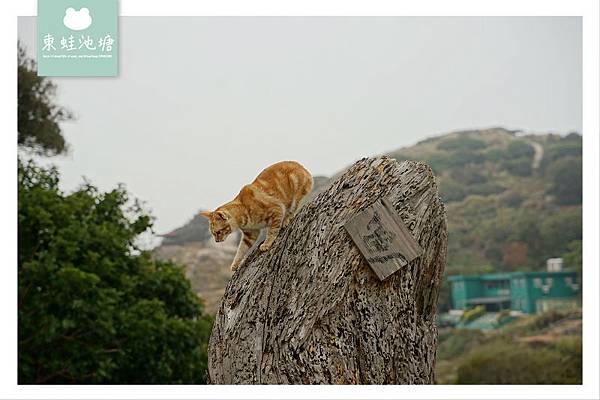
x,y
265,246
234,266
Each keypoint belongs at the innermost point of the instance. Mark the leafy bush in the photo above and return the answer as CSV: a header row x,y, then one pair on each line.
x,y
486,189
457,342
93,308
461,158
564,148
516,159
519,149
546,319
462,143
573,257
503,362
560,229
517,166
566,177
469,175
494,155
513,199
451,190
440,162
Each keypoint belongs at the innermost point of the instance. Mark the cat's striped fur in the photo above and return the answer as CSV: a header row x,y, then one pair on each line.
x,y
270,201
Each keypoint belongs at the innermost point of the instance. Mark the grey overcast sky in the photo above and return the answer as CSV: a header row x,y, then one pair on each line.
x,y
202,104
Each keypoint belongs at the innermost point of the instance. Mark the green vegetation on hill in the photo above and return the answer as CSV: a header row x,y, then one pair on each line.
x,y
512,200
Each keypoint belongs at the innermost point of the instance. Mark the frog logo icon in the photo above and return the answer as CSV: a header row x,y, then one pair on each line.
x,y
77,20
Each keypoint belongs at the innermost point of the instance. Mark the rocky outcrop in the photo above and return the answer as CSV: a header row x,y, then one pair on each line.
x,y
311,311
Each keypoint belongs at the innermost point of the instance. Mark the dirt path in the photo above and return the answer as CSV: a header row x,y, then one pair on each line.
x,y
538,155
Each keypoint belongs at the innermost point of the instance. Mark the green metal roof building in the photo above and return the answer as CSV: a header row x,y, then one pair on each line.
x,y
528,292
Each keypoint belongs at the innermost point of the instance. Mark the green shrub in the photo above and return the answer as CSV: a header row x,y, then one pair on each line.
x,y
573,257
486,189
546,319
502,362
470,175
519,149
94,308
458,342
494,155
560,229
517,166
566,177
451,190
439,162
563,148
513,199
461,158
462,143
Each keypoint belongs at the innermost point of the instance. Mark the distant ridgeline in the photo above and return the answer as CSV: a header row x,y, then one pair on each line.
x,y
196,230
513,200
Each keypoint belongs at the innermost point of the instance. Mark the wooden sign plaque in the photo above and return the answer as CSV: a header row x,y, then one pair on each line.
x,y
383,239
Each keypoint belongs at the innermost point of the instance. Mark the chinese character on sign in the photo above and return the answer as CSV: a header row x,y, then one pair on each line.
x,y
68,43
106,43
48,43
87,42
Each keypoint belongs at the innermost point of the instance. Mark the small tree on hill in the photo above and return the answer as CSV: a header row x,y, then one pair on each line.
x,y
566,177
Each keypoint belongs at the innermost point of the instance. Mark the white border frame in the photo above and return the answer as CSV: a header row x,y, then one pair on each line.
x,y
588,9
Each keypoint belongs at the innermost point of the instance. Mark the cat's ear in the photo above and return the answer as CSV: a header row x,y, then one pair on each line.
x,y
205,213
222,215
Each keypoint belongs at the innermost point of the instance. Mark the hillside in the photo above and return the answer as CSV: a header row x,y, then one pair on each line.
x,y
513,200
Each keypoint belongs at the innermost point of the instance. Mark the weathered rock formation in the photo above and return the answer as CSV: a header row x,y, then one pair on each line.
x,y
311,311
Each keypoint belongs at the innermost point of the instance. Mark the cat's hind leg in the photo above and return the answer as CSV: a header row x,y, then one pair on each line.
x,y
248,238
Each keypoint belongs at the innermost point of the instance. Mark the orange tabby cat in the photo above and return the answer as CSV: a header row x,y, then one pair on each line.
x,y
270,201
